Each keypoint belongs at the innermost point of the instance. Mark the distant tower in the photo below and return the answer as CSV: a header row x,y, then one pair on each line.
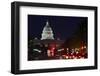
x,y
47,32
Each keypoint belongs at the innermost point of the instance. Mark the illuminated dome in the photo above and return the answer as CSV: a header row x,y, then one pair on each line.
x,y
47,32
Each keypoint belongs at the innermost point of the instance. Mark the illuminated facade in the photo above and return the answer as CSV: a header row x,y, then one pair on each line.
x,y
48,41
47,38
47,32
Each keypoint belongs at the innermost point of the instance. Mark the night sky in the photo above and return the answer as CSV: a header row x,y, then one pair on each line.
x,y
63,26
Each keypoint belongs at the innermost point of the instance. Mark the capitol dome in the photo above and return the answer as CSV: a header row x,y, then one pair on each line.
x,y
47,32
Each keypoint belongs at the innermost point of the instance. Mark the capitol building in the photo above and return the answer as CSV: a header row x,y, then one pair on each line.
x,y
47,38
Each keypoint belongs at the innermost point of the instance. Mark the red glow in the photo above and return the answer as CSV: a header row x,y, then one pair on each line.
x,y
53,48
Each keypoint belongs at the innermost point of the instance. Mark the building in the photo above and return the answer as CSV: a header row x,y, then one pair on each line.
x,y
47,37
47,40
47,32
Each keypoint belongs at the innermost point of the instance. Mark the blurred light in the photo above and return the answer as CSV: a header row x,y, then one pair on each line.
x,y
85,47
76,49
53,48
79,56
82,47
60,49
35,38
71,53
72,49
70,57
48,52
77,52
66,57
46,45
37,50
73,56
67,49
